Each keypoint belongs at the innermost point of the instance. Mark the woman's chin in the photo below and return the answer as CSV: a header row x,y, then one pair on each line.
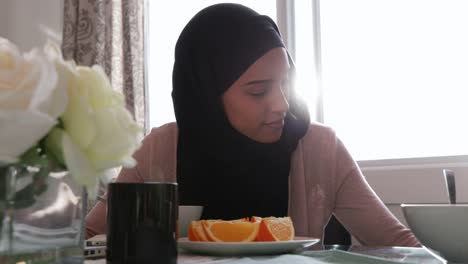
x,y
271,137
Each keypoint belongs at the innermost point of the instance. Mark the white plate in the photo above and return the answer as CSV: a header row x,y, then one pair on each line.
x,y
245,248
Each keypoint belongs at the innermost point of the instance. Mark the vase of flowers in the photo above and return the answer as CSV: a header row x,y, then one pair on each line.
x,y
61,128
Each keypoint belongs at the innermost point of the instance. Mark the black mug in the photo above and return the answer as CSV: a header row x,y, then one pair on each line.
x,y
141,223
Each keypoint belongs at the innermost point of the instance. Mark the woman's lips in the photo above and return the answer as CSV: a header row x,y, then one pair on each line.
x,y
276,124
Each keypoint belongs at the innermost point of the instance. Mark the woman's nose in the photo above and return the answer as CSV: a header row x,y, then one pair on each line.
x,y
280,100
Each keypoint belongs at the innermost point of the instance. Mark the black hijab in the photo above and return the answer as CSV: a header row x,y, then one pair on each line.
x,y
218,167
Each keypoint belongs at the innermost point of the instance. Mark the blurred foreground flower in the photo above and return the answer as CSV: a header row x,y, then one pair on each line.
x,y
55,116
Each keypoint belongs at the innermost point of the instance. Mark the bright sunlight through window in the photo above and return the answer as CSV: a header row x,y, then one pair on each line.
x,y
395,75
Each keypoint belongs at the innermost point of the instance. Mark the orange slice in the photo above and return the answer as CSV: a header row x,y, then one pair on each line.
x,y
230,231
255,219
197,232
191,233
275,229
245,219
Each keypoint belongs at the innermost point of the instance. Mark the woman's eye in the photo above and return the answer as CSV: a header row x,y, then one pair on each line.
x,y
260,89
258,93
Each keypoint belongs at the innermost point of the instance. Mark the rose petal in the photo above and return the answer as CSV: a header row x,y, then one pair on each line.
x,y
9,57
20,130
57,103
102,96
77,163
116,139
43,75
78,118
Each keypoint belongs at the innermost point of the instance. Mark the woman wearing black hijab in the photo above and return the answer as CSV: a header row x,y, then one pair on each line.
x,y
243,144
218,166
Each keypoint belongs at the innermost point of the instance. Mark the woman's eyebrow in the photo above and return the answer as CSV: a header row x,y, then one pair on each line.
x,y
258,82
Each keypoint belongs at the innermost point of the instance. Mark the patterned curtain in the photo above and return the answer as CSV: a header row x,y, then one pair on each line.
x,y
110,33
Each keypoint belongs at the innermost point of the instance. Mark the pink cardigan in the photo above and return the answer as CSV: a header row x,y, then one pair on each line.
x,y
324,179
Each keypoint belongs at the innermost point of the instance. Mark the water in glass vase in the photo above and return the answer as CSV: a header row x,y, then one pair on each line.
x,y
41,216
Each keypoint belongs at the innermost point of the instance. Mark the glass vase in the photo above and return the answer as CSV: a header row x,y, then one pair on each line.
x,y
41,216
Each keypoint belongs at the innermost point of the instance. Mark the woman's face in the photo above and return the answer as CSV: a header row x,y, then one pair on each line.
x,y
257,103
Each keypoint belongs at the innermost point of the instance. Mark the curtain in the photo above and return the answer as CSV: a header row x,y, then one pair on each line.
x,y
110,33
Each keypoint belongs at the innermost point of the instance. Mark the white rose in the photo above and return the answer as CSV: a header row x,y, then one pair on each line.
x,y
28,89
99,133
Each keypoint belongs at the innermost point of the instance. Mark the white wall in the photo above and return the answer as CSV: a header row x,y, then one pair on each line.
x,y
25,22
3,14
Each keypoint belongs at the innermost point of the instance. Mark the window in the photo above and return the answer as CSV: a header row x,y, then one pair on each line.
x,y
166,20
389,76
395,76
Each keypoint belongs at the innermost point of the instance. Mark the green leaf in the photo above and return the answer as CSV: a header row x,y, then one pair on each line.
x,y
33,157
53,146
